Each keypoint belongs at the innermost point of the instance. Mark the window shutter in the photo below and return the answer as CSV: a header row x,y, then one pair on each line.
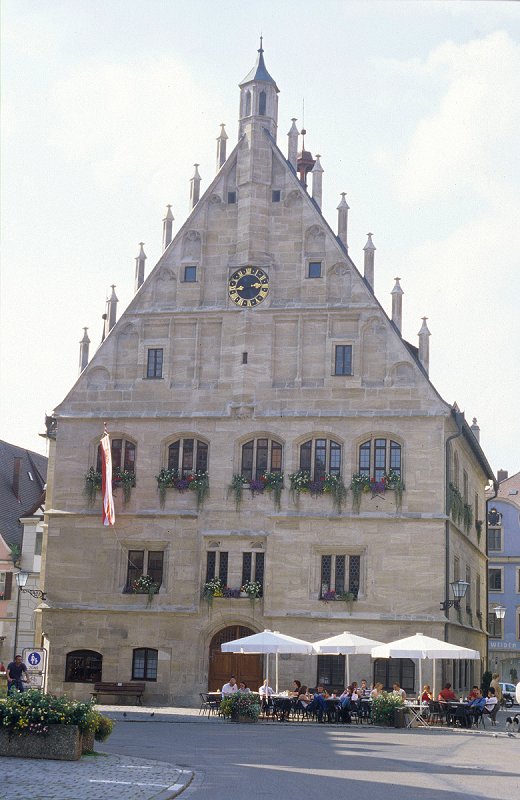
x,y
8,585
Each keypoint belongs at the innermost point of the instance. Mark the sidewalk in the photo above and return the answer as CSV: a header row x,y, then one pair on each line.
x,y
94,777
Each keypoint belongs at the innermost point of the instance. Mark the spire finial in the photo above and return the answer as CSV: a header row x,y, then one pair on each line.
x,y
261,49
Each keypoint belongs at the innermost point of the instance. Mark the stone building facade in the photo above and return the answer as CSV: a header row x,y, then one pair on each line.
x,y
256,346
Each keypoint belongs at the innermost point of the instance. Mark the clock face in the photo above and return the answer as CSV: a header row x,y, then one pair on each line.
x,y
248,287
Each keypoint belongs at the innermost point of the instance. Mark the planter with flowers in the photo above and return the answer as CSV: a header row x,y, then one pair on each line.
x,y
215,588
363,484
241,707
271,482
38,725
332,596
197,482
145,585
121,478
253,590
301,483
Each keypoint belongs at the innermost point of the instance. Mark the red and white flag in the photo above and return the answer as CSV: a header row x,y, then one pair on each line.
x,y
109,515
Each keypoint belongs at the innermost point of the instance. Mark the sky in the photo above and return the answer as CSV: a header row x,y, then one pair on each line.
x,y
413,106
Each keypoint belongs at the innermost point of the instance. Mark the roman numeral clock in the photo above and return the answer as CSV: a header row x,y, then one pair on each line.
x,y
248,287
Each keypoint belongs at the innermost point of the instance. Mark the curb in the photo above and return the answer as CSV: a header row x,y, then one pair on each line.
x,y
184,780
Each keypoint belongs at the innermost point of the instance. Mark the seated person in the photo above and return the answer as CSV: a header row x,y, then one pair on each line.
x,y
491,701
230,687
447,694
303,700
283,705
266,700
397,690
475,692
243,687
318,703
344,701
378,688
426,694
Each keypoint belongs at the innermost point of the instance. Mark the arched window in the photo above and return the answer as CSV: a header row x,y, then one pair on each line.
x,y
319,457
378,456
187,456
259,456
247,109
261,104
144,664
83,666
123,455
395,670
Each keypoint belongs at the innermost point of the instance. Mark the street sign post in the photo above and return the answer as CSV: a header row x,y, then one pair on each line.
x,y
35,659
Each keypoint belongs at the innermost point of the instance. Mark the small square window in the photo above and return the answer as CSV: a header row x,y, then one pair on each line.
x,y
276,195
231,197
155,363
314,269
190,274
343,359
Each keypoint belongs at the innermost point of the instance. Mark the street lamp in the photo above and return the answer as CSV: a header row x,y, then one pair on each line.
x,y
21,579
500,612
459,589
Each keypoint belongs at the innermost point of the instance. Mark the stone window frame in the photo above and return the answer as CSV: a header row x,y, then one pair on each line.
x,y
234,549
495,626
124,463
329,436
313,262
319,551
255,438
342,343
145,676
195,273
499,570
372,436
151,374
182,437
82,653
144,570
495,529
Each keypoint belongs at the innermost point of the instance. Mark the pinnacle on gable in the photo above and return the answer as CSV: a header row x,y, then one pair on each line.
x,y
83,350
292,148
195,187
167,228
169,214
370,244
343,203
317,166
369,261
343,210
397,305
424,345
139,267
221,145
397,288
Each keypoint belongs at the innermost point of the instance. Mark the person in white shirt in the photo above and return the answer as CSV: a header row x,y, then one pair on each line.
x,y
265,693
399,691
491,700
230,687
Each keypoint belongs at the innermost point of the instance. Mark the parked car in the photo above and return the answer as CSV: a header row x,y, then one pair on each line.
x,y
508,694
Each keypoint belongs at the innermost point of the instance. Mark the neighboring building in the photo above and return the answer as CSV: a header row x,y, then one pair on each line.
x,y
504,577
256,346
22,495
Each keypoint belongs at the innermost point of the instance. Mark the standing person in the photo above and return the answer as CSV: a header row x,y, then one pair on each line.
x,y
230,687
495,684
14,674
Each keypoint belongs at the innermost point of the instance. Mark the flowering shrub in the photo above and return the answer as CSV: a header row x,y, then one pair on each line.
x,y
31,713
383,706
361,484
171,479
240,704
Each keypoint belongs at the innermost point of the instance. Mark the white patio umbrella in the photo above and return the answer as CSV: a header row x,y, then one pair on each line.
x,y
421,646
345,644
267,642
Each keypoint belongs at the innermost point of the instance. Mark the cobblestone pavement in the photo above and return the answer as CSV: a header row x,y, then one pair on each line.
x,y
94,777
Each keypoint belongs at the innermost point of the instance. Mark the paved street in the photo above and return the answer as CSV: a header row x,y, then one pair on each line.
x,y
294,760
154,753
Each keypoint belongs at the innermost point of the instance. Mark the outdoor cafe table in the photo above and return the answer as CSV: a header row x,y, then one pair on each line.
x,y
415,713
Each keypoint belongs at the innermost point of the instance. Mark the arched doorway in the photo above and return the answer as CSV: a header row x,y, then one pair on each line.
x,y
221,665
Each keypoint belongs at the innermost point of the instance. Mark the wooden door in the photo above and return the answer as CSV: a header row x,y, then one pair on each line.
x,y
248,668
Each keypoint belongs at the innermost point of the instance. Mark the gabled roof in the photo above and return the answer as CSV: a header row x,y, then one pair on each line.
x,y
30,492
509,489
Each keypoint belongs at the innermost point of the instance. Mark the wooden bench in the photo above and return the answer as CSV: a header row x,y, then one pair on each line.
x,y
128,689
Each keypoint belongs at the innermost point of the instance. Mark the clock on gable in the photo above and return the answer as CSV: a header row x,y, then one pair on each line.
x,y
248,286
